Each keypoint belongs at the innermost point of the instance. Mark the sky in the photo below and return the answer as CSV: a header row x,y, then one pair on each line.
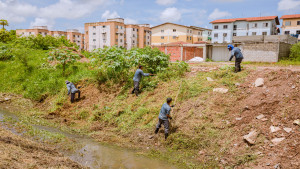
x,y
72,14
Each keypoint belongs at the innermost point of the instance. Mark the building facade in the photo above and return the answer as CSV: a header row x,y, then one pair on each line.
x,y
170,33
72,34
291,25
114,32
225,29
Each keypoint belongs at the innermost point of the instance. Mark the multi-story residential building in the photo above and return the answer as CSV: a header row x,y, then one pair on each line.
x,y
225,29
114,32
291,25
72,34
170,32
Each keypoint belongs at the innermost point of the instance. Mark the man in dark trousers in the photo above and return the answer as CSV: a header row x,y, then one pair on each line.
x,y
164,116
236,52
72,90
137,78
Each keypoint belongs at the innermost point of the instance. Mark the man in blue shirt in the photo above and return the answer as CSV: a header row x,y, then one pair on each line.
x,y
72,90
137,78
164,116
236,52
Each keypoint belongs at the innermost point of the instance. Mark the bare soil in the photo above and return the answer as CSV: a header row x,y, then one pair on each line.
x,y
19,152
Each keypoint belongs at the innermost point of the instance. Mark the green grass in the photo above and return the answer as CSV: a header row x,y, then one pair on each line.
x,y
280,63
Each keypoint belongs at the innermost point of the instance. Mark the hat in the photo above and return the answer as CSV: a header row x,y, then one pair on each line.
x,y
67,82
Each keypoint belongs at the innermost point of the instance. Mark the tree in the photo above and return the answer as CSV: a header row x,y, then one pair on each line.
x,y
3,22
64,57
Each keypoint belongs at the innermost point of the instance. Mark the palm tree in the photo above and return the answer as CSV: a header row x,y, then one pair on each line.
x,y
3,22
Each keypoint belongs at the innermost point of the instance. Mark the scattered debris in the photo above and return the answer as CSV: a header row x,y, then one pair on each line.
x,y
293,87
239,118
276,141
277,166
246,108
237,84
259,82
209,79
5,100
251,137
197,59
264,119
297,122
151,137
220,90
288,130
268,164
260,117
274,129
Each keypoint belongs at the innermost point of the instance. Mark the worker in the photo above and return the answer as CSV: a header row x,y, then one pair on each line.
x,y
164,116
72,90
236,52
137,78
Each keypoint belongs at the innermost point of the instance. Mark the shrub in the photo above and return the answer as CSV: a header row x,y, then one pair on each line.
x,y
295,52
5,52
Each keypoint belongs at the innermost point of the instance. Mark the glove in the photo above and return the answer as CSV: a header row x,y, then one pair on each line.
x,y
170,118
173,105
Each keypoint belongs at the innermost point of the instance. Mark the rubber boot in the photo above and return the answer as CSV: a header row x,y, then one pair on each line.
x,y
156,130
166,136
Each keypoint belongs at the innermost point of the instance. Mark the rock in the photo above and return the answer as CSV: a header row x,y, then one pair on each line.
x,y
288,130
274,129
297,122
260,117
209,79
239,118
5,100
264,119
251,137
293,87
220,90
246,108
151,137
268,164
259,82
237,84
276,141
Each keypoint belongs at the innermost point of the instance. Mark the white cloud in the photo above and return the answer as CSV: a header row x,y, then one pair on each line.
x,y
16,12
130,21
42,22
228,0
108,15
285,5
165,2
217,14
170,15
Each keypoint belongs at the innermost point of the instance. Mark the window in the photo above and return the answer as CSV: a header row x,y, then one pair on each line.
x,y
174,37
190,38
121,34
116,40
199,33
133,41
94,33
215,35
298,22
253,33
133,29
224,35
234,27
264,33
133,35
287,32
255,25
225,26
298,32
188,31
121,27
174,30
216,27
117,27
94,27
199,39
137,30
162,37
148,37
162,31
265,24
94,40
187,38
103,26
74,36
287,23
121,40
234,34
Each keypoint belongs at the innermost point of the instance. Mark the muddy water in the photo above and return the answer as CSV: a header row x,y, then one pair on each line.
x,y
92,154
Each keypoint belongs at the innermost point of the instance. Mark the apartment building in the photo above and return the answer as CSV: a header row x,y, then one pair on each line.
x,y
171,32
225,29
291,25
114,32
71,34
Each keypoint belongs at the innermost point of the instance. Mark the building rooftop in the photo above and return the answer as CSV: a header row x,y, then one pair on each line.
x,y
251,19
290,16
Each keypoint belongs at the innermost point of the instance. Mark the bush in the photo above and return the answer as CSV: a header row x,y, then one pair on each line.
x,y
5,52
295,52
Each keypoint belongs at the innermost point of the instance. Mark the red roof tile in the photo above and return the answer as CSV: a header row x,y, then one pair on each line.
x,y
290,16
263,18
178,43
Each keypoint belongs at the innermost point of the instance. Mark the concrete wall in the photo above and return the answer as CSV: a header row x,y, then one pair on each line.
x,y
271,38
